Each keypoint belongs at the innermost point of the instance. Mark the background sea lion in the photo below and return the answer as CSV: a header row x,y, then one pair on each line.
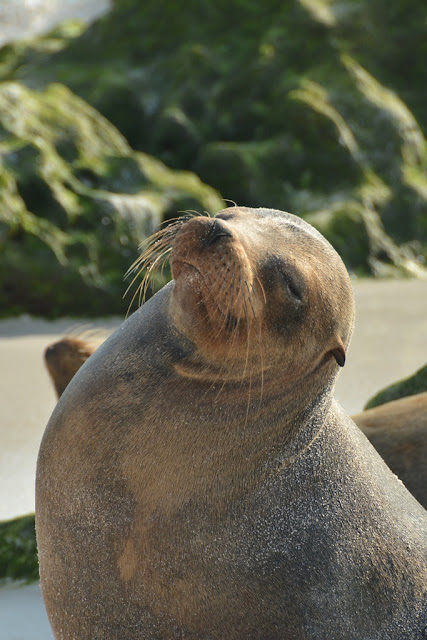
x,y
197,479
398,430
64,358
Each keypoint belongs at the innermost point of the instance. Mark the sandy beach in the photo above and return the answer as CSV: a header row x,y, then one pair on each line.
x,y
389,342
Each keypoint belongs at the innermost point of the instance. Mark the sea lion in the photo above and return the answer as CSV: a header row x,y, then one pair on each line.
x,y
398,431
64,358
197,479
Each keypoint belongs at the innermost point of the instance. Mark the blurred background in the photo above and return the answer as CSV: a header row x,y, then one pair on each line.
x,y
117,116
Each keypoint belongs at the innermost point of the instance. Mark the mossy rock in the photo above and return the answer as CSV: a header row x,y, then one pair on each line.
x,y
295,107
416,383
18,550
346,229
75,203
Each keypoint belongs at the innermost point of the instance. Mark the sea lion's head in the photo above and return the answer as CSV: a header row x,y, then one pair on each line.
x,y
261,289
64,358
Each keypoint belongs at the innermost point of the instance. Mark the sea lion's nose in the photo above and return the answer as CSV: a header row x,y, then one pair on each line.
x,y
215,231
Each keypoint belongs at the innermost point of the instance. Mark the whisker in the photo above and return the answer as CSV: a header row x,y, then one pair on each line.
x,y
150,273
222,309
248,405
250,377
246,314
233,336
217,305
261,357
149,245
250,291
259,323
262,289
154,255
149,267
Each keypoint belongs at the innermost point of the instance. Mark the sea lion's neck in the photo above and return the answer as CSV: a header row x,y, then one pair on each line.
x,y
260,412
258,395
272,419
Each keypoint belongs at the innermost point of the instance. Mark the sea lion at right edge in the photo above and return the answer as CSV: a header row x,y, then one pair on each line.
x,y
398,431
197,480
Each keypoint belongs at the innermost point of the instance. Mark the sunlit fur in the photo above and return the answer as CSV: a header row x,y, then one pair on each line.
x,y
166,509
232,317
154,256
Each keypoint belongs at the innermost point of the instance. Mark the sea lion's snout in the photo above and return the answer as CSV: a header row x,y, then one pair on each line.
x,y
214,279
201,233
56,350
49,352
64,358
198,241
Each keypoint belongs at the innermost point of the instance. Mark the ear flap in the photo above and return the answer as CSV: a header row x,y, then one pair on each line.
x,y
339,353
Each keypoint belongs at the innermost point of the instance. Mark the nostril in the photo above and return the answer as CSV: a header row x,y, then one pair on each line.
x,y
216,231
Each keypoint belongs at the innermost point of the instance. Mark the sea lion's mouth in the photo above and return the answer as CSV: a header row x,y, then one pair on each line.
x,y
183,267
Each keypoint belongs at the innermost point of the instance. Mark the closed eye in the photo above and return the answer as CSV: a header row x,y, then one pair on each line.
x,y
294,291
291,285
277,272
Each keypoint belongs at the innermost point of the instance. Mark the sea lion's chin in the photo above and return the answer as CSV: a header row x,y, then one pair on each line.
x,y
183,272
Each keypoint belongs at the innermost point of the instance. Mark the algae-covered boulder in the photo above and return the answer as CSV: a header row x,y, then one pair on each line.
x,y
75,202
310,106
18,550
417,383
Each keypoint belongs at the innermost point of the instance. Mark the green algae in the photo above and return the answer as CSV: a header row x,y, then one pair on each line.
x,y
417,383
18,550
76,201
294,105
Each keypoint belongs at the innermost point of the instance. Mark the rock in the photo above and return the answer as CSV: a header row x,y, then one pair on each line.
x,y
76,201
417,383
294,107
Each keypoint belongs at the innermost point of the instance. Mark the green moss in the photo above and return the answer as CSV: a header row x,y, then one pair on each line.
x,y
18,550
346,229
410,386
294,105
76,201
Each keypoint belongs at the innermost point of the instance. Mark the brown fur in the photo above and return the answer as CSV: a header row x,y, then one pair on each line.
x,y
398,430
64,358
197,479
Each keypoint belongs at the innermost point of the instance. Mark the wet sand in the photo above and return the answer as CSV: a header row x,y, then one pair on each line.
x,y
389,342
